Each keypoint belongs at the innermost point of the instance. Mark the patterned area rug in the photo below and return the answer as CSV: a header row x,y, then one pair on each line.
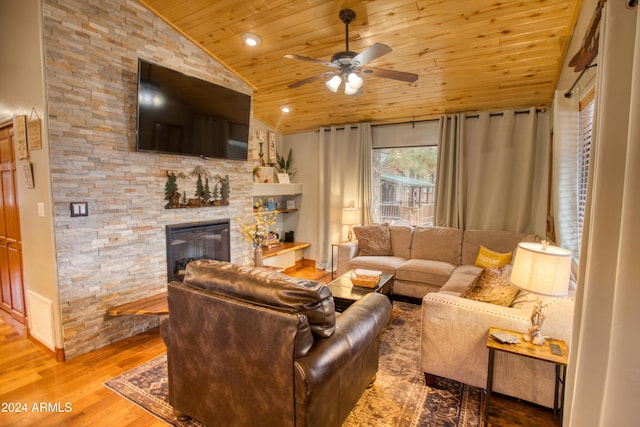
x,y
398,398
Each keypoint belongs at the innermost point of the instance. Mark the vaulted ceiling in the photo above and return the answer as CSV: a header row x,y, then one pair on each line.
x,y
470,55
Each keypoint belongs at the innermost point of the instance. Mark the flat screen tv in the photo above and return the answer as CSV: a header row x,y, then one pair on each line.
x,y
180,114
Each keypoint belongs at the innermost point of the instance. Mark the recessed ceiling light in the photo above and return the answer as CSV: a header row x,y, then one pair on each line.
x,y
285,109
251,39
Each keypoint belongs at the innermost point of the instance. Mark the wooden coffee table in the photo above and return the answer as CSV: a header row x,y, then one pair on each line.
x,y
345,293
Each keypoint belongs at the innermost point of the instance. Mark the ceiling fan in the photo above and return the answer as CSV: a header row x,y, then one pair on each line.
x,y
349,65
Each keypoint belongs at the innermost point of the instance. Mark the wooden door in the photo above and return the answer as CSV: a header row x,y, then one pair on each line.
x,y
10,241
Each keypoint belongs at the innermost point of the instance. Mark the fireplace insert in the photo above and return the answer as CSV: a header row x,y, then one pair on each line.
x,y
196,240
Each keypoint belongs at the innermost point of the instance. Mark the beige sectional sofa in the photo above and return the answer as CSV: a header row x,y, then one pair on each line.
x,y
424,259
437,264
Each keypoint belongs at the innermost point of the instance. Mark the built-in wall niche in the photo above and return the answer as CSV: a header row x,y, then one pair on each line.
x,y
208,189
193,241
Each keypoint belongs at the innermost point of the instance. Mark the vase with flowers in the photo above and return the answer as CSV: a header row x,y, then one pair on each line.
x,y
258,229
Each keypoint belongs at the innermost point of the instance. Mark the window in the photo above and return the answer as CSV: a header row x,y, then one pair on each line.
x,y
584,151
403,184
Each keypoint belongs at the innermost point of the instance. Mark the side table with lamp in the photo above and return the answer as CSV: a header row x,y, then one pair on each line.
x,y
543,270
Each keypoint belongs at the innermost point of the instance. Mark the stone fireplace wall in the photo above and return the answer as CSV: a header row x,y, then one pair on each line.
x,y
117,253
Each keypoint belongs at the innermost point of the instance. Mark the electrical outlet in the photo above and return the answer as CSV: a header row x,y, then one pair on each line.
x,y
40,209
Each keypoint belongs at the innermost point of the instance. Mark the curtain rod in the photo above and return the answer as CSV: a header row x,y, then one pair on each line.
x,y
413,122
568,93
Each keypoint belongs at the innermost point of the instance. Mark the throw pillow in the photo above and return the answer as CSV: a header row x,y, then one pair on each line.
x,y
490,259
493,286
373,239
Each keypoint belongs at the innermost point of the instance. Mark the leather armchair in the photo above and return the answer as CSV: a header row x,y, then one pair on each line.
x,y
249,347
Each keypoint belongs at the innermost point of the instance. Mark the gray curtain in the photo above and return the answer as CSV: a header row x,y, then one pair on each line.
x,y
493,172
604,378
344,158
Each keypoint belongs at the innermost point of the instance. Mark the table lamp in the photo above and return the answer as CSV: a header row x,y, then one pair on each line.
x,y
543,270
350,217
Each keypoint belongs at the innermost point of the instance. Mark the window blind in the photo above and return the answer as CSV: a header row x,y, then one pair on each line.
x,y
584,152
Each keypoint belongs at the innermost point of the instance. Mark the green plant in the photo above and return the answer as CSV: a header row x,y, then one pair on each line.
x,y
285,165
170,186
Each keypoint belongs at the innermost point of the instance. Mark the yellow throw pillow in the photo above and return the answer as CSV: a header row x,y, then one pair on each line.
x,y
489,259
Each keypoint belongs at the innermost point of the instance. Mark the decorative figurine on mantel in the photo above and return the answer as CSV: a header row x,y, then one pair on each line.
x,y
260,138
203,196
171,193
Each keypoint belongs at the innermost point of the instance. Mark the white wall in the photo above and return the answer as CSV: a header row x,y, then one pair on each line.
x,y
21,90
305,161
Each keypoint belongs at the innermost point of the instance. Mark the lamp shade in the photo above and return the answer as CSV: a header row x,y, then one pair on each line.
x,y
350,216
542,269
334,83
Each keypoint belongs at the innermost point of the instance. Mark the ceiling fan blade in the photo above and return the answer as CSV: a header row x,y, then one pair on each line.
x,y
391,74
306,58
310,79
374,51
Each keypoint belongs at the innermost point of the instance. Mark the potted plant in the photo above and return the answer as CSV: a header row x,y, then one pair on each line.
x,y
286,165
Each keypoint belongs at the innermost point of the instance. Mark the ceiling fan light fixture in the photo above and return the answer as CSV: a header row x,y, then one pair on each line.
x,y
251,39
355,81
349,89
334,83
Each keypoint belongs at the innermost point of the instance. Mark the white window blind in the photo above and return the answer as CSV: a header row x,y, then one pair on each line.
x,y
584,151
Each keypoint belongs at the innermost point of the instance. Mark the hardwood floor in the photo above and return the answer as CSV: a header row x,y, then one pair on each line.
x,y
71,393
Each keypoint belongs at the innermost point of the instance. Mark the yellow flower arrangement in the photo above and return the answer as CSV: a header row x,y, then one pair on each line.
x,y
260,227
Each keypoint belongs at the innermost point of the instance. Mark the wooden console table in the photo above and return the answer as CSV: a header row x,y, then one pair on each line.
x,y
155,305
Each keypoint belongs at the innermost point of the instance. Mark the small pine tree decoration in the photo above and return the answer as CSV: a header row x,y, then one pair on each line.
x,y
206,193
199,188
170,188
225,189
216,192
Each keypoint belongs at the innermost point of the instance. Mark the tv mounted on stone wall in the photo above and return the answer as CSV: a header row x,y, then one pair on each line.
x,y
180,114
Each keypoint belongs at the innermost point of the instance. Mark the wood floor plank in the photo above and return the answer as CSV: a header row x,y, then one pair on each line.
x,y
30,375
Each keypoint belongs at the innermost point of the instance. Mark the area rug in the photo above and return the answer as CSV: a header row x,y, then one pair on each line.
x,y
398,398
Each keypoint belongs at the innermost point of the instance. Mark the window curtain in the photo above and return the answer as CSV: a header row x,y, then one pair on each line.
x,y
604,378
493,172
344,159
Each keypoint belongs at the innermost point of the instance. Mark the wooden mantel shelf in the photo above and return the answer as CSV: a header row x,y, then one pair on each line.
x,y
155,305
283,248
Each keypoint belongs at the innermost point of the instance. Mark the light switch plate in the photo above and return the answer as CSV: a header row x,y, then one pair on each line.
x,y
40,209
79,209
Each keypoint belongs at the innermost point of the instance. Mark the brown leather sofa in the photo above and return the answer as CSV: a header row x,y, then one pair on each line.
x,y
250,347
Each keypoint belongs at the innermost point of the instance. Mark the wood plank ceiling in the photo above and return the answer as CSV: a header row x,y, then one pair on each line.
x,y
470,55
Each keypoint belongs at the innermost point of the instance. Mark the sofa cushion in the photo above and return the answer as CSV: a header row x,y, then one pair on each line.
x,y
462,278
487,258
401,240
386,264
373,239
493,286
268,289
437,243
425,271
